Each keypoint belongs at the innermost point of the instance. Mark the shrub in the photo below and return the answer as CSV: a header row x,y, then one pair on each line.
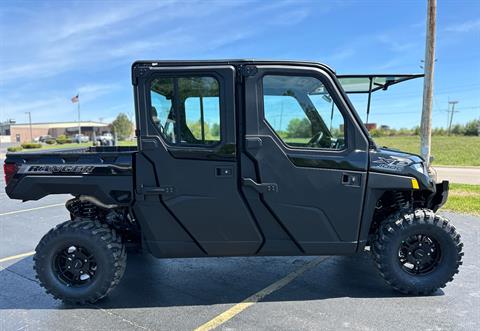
x,y
458,129
50,141
472,128
63,139
31,145
14,149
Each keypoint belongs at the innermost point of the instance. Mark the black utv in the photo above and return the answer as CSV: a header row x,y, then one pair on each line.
x,y
238,158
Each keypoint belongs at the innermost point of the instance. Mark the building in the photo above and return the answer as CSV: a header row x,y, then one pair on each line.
x,y
23,132
371,126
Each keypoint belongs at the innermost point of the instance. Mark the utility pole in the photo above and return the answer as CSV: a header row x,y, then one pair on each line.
x,y
30,124
78,108
453,103
426,123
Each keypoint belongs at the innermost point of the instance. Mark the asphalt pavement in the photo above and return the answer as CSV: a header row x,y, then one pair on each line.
x,y
459,175
289,293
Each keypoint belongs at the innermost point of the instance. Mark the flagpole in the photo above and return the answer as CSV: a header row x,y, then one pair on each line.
x,y
78,108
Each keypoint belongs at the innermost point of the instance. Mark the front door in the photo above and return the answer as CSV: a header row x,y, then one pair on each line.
x,y
188,195
308,158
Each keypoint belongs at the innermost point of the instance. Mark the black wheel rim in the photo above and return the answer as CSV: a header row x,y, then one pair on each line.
x,y
419,254
75,266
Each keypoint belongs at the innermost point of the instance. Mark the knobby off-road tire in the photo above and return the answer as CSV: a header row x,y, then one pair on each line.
x,y
395,254
94,246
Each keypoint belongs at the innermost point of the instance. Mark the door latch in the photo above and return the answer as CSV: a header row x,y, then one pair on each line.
x,y
262,188
224,172
155,190
349,179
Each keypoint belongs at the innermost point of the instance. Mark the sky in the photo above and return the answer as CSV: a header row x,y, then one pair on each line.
x,y
52,50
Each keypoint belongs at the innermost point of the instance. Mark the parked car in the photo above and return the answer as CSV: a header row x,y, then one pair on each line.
x,y
44,138
105,139
80,138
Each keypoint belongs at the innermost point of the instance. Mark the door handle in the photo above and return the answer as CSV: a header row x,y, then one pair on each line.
x,y
261,188
349,179
253,142
155,190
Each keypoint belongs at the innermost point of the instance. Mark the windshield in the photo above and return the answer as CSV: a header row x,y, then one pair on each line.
x,y
373,83
360,89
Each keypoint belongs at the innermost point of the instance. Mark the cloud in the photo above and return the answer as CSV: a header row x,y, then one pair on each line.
x,y
393,44
50,51
93,91
341,55
290,17
464,27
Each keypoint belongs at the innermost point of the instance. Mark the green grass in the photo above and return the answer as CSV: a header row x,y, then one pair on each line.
x,y
452,151
127,143
61,146
464,198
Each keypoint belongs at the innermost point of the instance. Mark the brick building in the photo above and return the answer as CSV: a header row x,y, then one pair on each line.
x,y
21,132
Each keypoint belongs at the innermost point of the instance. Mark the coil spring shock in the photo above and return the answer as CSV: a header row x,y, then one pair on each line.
x,y
400,201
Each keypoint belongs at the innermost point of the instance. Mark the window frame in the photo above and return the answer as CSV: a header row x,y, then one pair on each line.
x,y
275,72
175,104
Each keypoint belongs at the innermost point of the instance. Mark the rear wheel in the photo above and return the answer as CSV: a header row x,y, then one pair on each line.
x,y
418,252
80,261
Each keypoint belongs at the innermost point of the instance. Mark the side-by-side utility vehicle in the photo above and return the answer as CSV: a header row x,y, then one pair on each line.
x,y
239,158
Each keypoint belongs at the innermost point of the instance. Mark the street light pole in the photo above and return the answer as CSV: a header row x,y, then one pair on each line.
x,y
30,124
426,124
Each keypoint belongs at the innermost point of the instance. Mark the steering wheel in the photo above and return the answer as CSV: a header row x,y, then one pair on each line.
x,y
315,140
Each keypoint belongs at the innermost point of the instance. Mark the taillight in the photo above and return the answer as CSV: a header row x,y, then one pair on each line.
x,y
9,170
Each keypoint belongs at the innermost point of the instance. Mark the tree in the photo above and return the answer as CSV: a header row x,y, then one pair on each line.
x,y
215,130
299,128
472,128
122,126
458,129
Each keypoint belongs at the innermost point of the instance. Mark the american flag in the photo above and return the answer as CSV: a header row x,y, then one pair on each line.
x,y
75,99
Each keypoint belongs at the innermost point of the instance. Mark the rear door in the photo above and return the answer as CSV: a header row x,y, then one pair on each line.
x,y
309,157
189,202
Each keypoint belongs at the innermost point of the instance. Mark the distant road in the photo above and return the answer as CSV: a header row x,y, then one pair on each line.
x,y
463,175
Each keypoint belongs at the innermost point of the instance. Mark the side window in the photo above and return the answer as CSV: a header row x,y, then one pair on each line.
x,y
302,113
193,118
162,112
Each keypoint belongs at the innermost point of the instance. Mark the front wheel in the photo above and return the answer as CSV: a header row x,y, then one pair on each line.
x,y
80,261
418,252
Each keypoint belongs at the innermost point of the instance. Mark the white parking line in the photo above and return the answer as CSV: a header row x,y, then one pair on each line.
x,y
31,209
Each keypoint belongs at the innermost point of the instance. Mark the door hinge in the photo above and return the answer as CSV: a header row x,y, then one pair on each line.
x,y
137,72
248,70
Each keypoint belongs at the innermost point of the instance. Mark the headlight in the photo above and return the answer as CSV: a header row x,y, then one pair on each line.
x,y
419,167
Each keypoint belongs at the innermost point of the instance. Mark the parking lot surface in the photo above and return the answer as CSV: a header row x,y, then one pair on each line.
x,y
289,293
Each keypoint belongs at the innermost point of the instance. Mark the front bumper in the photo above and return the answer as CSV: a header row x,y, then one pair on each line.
x,y
439,197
